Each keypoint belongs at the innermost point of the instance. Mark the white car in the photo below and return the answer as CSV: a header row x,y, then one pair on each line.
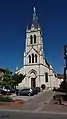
x,y
7,90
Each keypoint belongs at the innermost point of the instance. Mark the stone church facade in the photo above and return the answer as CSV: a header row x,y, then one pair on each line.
x,y
38,71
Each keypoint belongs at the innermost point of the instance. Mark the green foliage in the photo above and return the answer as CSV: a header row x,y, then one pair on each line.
x,y
7,79
10,81
5,99
17,79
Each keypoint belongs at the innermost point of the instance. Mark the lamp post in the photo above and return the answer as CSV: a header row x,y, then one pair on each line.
x,y
65,68
39,70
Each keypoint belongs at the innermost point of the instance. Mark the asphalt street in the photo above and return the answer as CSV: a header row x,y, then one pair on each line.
x,y
29,115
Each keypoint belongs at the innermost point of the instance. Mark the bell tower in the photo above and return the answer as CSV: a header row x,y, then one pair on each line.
x,y
33,38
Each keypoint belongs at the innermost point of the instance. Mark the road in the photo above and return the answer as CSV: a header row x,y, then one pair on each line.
x,y
29,115
37,102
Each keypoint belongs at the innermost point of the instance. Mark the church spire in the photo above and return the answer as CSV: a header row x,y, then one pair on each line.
x,y
34,23
34,13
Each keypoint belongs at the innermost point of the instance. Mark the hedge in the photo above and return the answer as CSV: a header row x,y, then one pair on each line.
x,y
5,99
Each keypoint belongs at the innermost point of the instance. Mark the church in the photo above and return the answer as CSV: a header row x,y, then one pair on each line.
x,y
35,66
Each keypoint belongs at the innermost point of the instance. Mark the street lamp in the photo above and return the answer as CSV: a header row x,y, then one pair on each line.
x,y
65,68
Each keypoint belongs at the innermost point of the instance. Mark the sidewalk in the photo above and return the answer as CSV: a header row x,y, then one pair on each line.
x,y
27,98
51,107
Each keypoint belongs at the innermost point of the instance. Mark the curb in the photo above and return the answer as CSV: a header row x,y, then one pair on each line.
x,y
45,112
26,111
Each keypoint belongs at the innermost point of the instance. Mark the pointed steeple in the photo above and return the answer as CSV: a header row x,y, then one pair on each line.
x,y
34,13
34,23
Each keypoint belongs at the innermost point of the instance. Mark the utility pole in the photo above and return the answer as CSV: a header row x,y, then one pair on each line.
x,y
65,68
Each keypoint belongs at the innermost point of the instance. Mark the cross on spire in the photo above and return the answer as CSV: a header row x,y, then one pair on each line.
x,y
34,22
34,9
34,13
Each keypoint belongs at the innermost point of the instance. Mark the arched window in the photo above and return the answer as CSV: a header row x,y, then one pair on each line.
x,y
35,58
46,77
34,38
31,39
32,58
29,59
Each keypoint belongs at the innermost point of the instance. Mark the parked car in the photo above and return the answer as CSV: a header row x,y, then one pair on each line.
x,y
17,91
38,89
27,91
1,90
5,91
12,90
35,91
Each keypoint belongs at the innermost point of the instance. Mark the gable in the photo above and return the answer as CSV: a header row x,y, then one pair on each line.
x,y
32,50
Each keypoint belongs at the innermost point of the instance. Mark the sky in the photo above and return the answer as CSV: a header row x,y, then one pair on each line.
x,y
15,15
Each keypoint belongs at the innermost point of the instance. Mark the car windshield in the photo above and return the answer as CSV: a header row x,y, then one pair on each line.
x,y
25,89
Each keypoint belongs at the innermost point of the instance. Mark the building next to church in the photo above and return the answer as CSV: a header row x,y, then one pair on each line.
x,y
38,71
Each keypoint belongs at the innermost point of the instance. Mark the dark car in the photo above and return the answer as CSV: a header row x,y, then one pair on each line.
x,y
28,91
38,89
12,90
35,91
17,91
4,91
1,90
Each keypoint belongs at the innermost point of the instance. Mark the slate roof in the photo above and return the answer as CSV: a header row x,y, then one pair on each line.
x,y
34,21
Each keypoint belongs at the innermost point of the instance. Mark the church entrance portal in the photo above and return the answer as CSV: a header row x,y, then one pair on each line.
x,y
33,83
33,78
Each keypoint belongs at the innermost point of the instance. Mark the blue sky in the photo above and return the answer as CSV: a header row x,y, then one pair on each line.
x,y
15,15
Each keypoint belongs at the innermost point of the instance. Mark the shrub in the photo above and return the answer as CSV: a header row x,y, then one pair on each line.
x,y
63,85
5,99
43,86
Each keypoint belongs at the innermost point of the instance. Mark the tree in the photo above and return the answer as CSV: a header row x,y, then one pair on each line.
x,y
7,79
17,79
43,86
63,86
10,81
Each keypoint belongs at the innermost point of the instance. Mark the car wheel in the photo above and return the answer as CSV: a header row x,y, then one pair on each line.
x,y
29,94
17,94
